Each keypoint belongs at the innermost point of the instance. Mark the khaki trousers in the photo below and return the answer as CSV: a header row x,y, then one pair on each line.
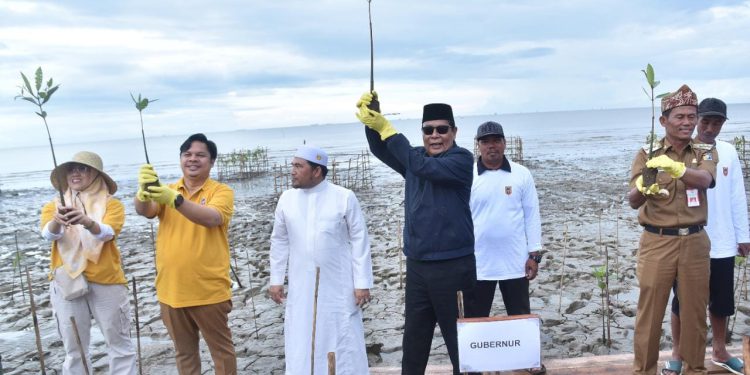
x,y
661,260
183,325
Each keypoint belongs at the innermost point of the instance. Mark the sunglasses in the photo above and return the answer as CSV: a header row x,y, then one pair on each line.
x,y
441,129
80,168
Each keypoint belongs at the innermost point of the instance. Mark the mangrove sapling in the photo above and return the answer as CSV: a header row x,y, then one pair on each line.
x,y
600,274
140,105
649,174
40,97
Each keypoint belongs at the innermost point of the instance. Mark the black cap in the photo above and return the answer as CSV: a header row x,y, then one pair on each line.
x,y
490,128
438,111
712,107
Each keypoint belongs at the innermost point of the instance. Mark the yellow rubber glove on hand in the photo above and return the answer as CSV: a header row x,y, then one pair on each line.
x,y
374,120
146,175
651,190
675,169
163,194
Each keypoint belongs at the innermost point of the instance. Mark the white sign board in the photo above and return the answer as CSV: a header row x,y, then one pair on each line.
x,y
499,344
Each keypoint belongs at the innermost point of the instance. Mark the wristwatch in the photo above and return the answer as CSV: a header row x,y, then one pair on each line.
x,y
178,200
536,258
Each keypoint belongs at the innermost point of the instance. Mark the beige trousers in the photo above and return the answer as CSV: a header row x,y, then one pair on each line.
x,y
663,259
184,324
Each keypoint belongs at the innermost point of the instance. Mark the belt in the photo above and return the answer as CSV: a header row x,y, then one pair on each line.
x,y
674,231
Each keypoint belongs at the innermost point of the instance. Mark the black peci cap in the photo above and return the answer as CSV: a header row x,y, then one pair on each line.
x,y
438,111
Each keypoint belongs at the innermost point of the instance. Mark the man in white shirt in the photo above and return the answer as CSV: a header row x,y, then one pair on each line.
x,y
507,228
319,225
728,230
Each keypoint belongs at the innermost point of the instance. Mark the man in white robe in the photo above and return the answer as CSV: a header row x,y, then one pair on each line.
x,y
320,225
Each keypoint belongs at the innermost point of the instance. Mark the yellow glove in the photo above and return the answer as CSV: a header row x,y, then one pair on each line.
x,y
163,194
146,175
365,100
651,190
374,120
675,169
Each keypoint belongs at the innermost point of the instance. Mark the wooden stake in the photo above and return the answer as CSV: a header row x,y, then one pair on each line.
x,y
235,276
400,257
746,352
20,275
153,242
252,297
315,320
36,323
80,346
137,327
562,269
331,363
460,301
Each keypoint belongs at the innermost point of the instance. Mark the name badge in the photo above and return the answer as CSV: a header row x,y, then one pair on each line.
x,y
692,198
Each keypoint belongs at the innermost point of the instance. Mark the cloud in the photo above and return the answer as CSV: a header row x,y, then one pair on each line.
x,y
231,65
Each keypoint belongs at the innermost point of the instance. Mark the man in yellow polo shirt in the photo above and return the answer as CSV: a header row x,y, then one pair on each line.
x,y
192,255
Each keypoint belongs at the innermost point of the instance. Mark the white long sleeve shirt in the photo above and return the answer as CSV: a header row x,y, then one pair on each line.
x,y
507,225
322,227
727,205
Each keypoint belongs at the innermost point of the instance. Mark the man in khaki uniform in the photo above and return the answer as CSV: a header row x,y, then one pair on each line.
x,y
673,245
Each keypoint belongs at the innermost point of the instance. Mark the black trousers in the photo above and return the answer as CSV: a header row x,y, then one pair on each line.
x,y
515,292
431,288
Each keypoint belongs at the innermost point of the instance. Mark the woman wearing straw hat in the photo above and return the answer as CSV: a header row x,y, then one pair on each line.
x,y
86,272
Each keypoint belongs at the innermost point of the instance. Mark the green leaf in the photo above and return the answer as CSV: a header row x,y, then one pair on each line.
x,y
38,78
42,94
33,100
646,92
133,97
42,115
656,83
49,83
650,75
49,93
26,82
662,95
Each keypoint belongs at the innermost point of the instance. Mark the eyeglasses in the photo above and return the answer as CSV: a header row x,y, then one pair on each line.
x,y
80,168
441,129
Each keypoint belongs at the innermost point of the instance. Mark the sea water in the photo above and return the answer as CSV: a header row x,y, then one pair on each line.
x,y
582,135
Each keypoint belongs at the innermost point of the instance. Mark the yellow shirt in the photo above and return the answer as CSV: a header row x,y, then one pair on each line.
x,y
109,268
192,261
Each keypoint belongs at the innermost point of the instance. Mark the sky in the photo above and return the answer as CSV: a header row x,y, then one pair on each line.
x,y
227,65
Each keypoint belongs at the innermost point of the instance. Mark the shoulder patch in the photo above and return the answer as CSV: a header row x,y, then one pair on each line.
x,y
647,146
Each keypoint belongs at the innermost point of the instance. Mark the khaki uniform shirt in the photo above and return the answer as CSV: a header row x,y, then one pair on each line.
x,y
673,211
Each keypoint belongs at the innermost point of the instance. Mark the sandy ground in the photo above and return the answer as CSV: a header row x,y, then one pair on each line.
x,y
580,222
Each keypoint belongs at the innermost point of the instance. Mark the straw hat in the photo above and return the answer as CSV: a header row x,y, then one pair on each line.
x,y
59,175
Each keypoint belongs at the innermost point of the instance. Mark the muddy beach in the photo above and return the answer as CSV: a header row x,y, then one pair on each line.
x,y
584,216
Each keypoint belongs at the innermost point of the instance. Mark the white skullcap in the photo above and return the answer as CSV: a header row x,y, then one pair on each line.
x,y
312,154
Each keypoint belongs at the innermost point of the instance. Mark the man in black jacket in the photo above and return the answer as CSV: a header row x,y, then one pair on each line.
x,y
438,231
